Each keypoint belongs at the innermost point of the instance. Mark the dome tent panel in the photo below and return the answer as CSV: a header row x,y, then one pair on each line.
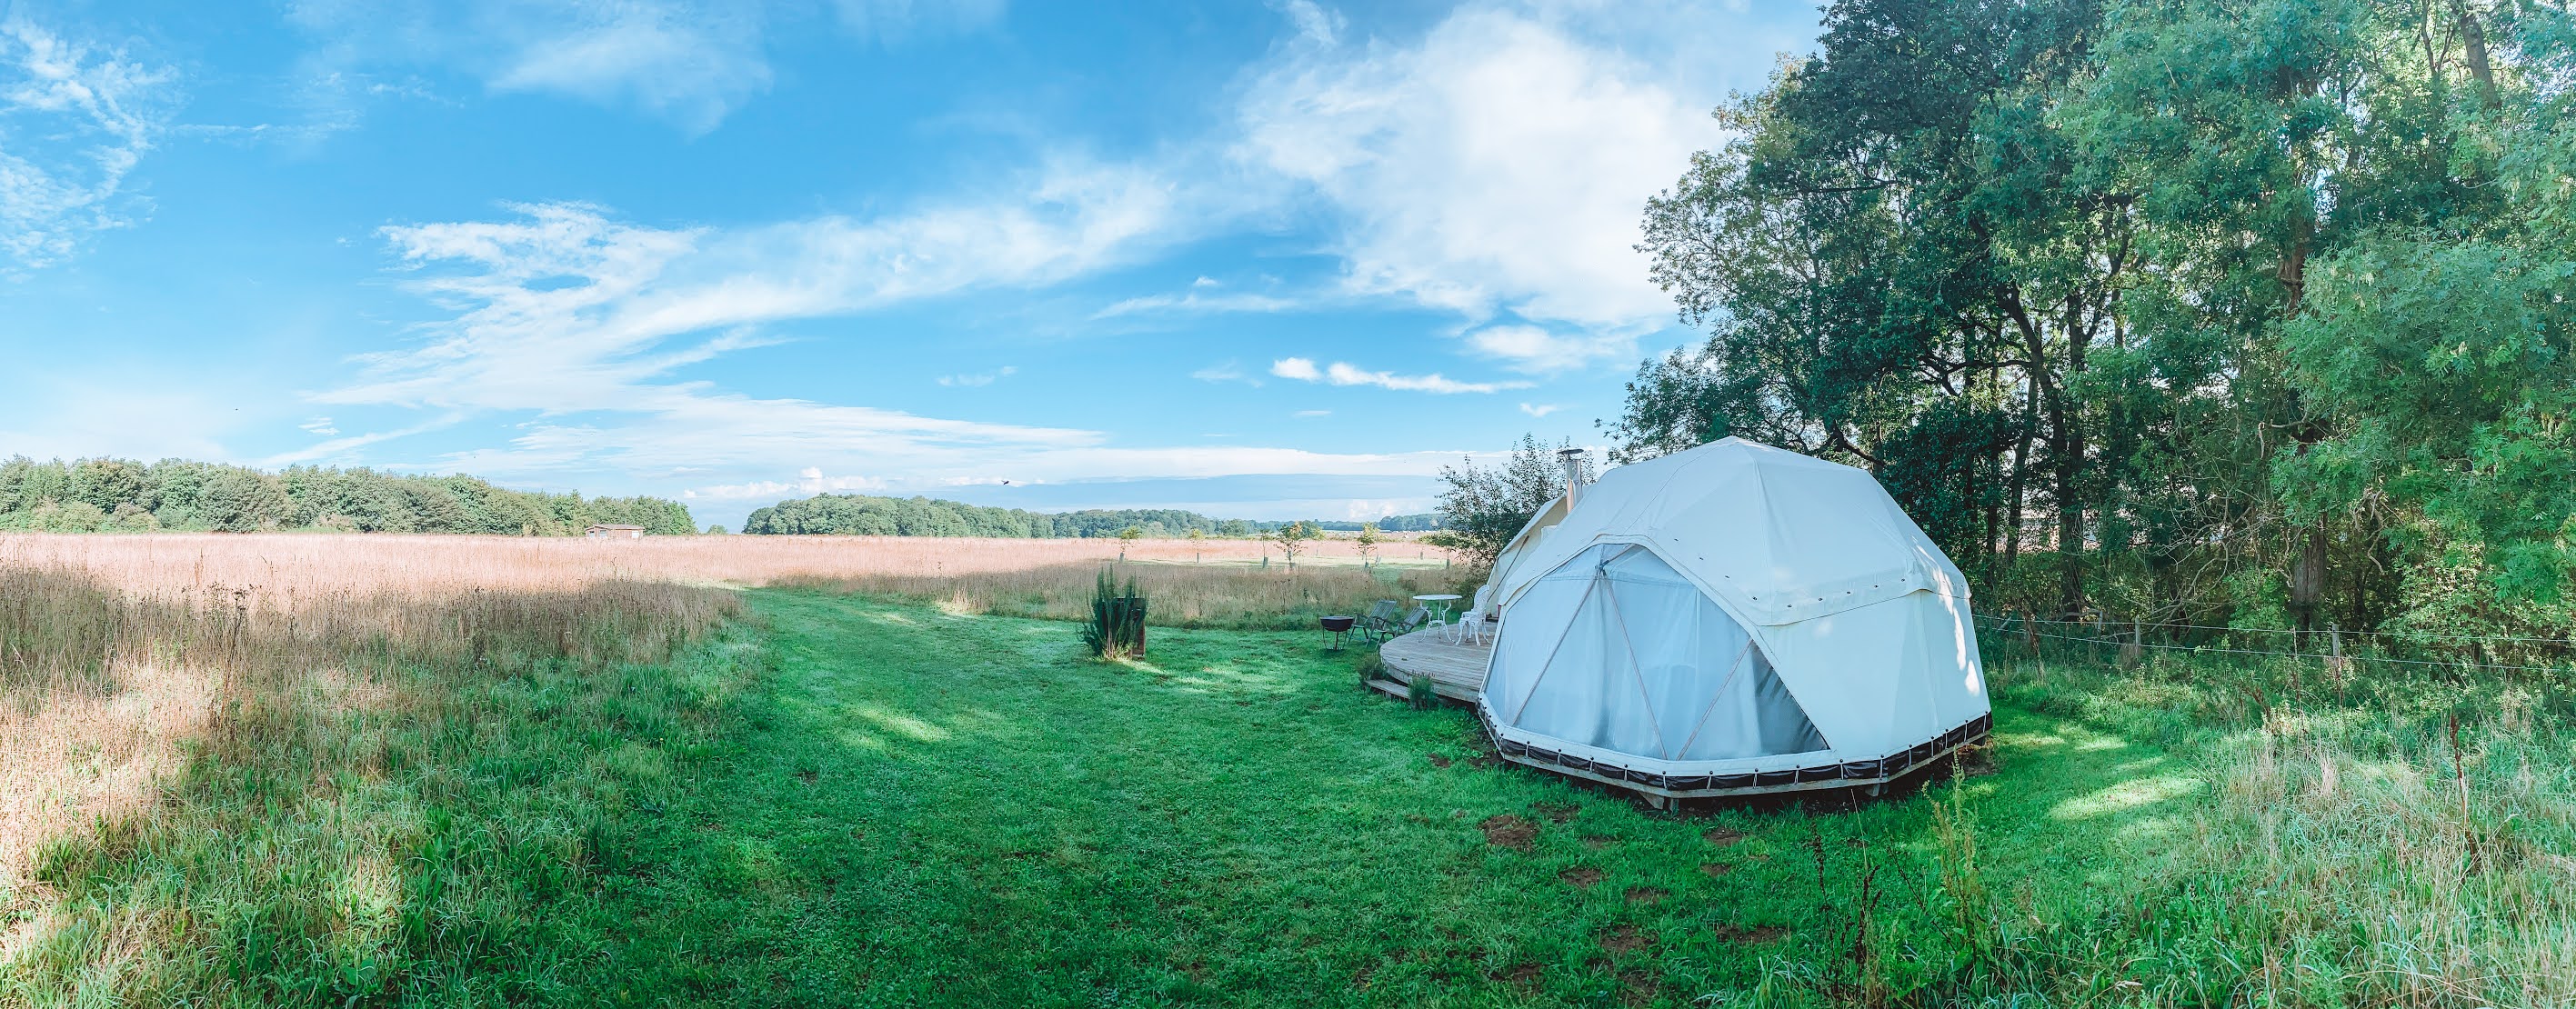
x,y
1615,651
1882,677
1851,625
1779,537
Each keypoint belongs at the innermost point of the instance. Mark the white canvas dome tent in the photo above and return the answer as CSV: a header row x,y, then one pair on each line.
x,y
1734,619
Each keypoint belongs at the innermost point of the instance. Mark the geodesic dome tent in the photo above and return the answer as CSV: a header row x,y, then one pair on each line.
x,y
1734,618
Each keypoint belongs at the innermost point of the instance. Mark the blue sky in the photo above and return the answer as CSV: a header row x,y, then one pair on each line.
x,y
1259,260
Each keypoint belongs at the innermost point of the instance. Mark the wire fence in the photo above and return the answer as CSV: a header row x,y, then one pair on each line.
x,y
2110,635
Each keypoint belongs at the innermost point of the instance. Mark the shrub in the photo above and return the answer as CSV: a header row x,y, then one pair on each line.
x,y
1117,625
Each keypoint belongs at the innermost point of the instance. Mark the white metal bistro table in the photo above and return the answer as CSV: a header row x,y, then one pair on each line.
x,y
1438,604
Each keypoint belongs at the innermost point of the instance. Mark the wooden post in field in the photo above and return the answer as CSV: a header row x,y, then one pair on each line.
x,y
2136,649
2335,667
2030,630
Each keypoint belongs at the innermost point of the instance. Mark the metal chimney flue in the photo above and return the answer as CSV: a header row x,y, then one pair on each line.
x,y
1572,458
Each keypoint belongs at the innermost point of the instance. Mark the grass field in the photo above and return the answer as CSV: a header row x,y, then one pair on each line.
x,y
805,796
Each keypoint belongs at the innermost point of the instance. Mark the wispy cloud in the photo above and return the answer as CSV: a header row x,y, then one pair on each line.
x,y
1540,410
979,379
688,64
1230,371
75,120
1537,351
580,324
1340,373
1197,302
1313,413
894,21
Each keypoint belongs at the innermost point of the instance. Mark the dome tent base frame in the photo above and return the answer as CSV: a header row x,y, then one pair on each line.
x,y
1848,774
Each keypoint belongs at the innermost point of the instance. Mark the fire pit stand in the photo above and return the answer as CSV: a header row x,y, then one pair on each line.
x,y
1339,627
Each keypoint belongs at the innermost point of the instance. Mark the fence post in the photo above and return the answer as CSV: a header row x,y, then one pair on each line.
x,y
2335,666
2030,631
2136,650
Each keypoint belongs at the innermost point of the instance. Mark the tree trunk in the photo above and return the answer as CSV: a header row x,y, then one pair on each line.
x,y
2070,469
2308,578
2474,35
2020,481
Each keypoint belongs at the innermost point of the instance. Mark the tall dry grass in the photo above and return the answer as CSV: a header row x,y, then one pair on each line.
x,y
125,680
230,765
282,566
114,649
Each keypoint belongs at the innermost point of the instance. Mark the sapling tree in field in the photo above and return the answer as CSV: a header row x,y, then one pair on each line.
x,y
1366,543
1126,538
1197,540
1291,540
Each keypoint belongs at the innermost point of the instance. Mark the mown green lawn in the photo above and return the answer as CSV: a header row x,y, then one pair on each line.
x,y
914,808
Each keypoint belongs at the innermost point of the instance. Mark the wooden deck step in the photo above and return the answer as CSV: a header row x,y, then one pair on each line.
x,y
1457,671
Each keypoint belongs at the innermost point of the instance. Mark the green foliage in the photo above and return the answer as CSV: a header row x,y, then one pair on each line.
x,y
867,515
2183,289
1291,540
1482,508
116,495
1421,693
1116,627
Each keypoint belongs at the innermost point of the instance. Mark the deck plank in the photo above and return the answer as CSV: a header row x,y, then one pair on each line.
x,y
1456,670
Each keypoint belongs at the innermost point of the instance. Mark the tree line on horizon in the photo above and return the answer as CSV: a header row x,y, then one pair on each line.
x,y
120,495
873,515
2209,312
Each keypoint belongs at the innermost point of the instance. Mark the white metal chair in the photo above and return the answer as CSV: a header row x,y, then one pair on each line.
x,y
1471,624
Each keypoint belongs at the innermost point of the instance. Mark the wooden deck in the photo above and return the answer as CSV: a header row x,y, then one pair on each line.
x,y
1457,671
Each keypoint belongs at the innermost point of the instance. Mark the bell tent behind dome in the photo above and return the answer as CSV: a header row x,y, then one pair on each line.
x,y
1733,619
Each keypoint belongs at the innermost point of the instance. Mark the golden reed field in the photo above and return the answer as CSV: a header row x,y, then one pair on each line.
x,y
116,650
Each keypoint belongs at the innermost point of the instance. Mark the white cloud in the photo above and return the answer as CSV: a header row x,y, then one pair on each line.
x,y
1537,351
1339,373
978,379
576,324
1299,368
1230,371
320,426
1196,302
1500,163
564,309
897,20
1540,410
74,122
688,64
1314,413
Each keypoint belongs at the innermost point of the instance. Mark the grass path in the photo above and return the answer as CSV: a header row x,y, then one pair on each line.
x,y
925,809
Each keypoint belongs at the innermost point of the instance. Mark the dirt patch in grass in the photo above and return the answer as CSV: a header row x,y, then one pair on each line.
x,y
1713,870
1758,935
1597,842
1639,988
1625,939
1439,761
1524,973
1510,831
1581,876
1556,812
1647,895
1723,837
